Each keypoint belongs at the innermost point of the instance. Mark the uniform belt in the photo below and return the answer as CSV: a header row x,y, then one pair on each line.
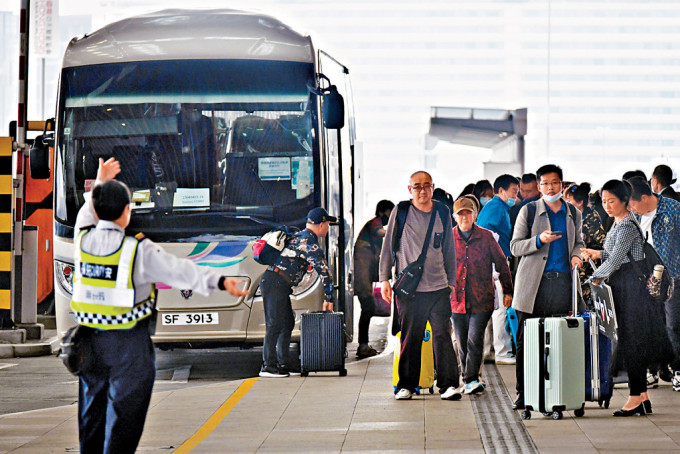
x,y
280,272
551,275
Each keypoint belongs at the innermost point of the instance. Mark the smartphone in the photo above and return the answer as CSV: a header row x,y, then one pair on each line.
x,y
556,233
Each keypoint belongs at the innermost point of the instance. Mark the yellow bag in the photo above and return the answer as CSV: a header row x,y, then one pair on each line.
x,y
426,380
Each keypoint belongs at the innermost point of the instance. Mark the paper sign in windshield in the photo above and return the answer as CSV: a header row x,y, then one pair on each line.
x,y
273,168
190,197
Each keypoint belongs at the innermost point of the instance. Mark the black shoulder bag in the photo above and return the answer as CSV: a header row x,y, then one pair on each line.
x,y
76,352
407,281
645,270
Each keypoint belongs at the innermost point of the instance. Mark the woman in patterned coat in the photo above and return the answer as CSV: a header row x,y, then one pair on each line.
x,y
642,336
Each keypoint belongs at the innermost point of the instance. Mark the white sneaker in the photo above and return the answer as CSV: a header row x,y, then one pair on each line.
x,y
403,394
473,387
652,380
675,381
506,360
451,393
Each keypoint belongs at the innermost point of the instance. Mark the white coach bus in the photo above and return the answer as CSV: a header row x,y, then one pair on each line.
x,y
226,124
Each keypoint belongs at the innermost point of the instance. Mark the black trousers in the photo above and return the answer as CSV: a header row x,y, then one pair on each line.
x,y
413,316
114,394
553,298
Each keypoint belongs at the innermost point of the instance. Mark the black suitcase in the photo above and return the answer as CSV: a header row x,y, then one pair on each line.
x,y
322,342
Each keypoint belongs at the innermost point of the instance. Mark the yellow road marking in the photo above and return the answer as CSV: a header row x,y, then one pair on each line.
x,y
216,418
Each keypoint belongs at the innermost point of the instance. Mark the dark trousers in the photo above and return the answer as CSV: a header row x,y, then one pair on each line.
x,y
367,311
413,317
553,298
469,329
114,394
673,324
279,319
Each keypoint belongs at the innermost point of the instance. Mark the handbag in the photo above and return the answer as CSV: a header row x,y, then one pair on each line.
x,y
382,307
407,281
76,350
659,292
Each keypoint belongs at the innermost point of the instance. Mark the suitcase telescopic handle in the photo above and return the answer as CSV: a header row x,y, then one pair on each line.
x,y
575,283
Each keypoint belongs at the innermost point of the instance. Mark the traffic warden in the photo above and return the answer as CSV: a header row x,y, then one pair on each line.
x,y
300,254
112,295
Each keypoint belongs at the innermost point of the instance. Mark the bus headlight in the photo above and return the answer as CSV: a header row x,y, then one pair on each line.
x,y
64,274
306,283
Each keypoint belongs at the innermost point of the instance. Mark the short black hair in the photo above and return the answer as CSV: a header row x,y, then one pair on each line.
x,y
639,187
504,182
634,173
383,205
549,168
620,189
580,192
110,199
664,175
529,178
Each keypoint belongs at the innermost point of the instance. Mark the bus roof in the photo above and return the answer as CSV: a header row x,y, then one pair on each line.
x,y
178,34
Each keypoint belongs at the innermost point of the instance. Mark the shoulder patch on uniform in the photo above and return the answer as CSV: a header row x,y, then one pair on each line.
x,y
140,236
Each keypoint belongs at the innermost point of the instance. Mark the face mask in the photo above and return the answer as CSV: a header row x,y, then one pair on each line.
x,y
552,198
384,219
484,200
511,202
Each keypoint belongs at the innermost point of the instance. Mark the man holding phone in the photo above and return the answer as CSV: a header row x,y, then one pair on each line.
x,y
543,281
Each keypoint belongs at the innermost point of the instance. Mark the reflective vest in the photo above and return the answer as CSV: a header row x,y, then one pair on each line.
x,y
103,289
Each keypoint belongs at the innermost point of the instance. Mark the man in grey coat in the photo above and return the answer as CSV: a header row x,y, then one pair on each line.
x,y
549,245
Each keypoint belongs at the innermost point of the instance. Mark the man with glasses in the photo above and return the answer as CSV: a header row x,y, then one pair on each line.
x,y
402,245
548,237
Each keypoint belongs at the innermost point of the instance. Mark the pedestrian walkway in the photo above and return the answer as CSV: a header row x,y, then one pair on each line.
x,y
329,414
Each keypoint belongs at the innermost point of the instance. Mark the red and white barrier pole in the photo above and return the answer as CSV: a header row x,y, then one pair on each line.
x,y
18,232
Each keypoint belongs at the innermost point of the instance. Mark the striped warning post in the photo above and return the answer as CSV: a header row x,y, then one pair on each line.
x,y
5,221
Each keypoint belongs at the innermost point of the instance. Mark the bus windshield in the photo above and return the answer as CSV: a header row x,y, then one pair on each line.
x,y
207,147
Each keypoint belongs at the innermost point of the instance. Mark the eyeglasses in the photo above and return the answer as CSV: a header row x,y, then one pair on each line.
x,y
424,187
545,184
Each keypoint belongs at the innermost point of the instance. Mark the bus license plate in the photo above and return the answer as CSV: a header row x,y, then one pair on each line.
x,y
191,318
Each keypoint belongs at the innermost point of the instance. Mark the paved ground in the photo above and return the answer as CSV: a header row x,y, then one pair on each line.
x,y
357,413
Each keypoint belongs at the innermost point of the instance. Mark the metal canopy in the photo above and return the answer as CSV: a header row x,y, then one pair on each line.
x,y
485,128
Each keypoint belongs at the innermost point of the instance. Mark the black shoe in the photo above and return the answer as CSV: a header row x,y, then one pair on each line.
x,y
272,372
518,404
648,406
637,411
290,370
665,374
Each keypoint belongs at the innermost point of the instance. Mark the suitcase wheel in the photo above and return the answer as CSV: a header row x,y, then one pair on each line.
x,y
526,414
431,389
343,372
579,412
304,373
557,414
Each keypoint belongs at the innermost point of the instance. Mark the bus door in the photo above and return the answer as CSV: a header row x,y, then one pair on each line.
x,y
339,146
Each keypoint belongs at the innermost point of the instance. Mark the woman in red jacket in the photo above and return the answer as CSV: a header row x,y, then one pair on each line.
x,y
472,301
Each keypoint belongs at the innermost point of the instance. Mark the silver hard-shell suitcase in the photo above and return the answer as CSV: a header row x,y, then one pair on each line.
x,y
554,366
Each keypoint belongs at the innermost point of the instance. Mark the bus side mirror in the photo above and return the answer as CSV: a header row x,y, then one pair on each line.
x,y
333,109
39,156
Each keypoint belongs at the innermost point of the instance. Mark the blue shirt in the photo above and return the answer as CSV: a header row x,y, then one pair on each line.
x,y
495,216
558,254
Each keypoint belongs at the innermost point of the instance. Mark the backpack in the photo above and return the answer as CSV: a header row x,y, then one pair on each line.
x,y
267,249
